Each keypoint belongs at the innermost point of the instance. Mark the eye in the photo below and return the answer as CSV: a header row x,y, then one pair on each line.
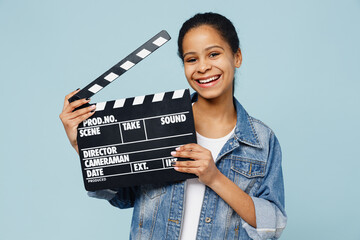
x,y
213,54
190,60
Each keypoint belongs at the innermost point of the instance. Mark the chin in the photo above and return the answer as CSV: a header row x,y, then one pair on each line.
x,y
209,94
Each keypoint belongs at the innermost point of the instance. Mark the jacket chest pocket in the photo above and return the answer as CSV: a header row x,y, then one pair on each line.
x,y
247,172
248,167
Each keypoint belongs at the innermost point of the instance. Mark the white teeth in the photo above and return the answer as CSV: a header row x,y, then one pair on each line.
x,y
208,80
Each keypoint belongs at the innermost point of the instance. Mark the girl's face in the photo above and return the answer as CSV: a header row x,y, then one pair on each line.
x,y
209,62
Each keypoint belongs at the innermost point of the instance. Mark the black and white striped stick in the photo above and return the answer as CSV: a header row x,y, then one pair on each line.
x,y
121,67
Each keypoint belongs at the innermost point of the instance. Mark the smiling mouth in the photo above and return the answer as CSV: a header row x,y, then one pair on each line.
x,y
208,80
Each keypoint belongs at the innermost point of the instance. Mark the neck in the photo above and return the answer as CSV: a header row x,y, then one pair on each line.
x,y
214,118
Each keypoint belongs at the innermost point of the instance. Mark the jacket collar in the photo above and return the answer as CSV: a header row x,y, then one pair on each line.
x,y
244,130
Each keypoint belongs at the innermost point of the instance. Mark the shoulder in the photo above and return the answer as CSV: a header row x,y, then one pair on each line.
x,y
253,129
260,127
263,136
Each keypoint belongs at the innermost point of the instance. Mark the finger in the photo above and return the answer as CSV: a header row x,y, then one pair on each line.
x,y
76,104
183,149
187,154
68,116
66,101
82,118
191,147
77,113
186,164
187,170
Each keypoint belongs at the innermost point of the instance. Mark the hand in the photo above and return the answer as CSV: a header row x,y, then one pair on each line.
x,y
203,165
72,119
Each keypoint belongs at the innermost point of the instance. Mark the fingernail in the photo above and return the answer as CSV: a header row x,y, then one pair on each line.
x,y
176,168
173,163
177,149
173,153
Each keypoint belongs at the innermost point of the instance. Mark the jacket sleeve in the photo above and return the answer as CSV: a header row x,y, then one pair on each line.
x,y
121,198
269,201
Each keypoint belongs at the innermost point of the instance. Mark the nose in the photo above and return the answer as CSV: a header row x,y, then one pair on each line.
x,y
203,66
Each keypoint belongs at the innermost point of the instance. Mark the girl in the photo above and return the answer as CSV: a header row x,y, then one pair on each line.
x,y
239,192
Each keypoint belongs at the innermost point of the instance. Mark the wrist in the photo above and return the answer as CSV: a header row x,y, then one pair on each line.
x,y
216,180
76,148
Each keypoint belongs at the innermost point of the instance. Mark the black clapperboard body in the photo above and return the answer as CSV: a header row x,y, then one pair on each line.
x,y
128,142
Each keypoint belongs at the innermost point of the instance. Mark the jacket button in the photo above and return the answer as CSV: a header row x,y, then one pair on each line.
x,y
207,220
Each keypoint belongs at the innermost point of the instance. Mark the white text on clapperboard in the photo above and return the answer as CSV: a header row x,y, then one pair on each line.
x,y
95,159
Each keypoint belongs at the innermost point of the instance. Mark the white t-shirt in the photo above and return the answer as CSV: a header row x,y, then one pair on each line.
x,y
195,190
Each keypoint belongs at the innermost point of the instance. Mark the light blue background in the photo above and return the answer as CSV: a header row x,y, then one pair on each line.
x,y
300,75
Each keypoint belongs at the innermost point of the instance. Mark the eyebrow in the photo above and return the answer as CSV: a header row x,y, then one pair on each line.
x,y
206,49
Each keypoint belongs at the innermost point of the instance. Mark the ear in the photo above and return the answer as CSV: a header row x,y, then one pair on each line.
x,y
238,58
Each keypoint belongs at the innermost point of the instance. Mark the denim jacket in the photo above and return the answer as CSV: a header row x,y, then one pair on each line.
x,y
251,158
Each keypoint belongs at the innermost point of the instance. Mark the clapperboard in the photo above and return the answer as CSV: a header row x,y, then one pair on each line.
x,y
127,142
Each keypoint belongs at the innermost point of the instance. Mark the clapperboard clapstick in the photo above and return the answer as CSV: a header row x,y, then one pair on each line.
x,y
121,67
128,142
